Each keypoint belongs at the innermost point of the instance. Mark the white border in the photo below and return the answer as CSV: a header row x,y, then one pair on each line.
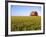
x,y
23,32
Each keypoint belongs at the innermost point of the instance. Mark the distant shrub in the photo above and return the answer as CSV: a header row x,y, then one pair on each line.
x,y
34,13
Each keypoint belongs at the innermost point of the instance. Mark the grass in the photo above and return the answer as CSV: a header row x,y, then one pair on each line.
x,y
25,23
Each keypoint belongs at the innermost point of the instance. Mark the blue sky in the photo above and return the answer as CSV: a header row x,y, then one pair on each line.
x,y
17,10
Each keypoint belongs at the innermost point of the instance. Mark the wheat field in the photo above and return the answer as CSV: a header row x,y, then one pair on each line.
x,y
25,23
